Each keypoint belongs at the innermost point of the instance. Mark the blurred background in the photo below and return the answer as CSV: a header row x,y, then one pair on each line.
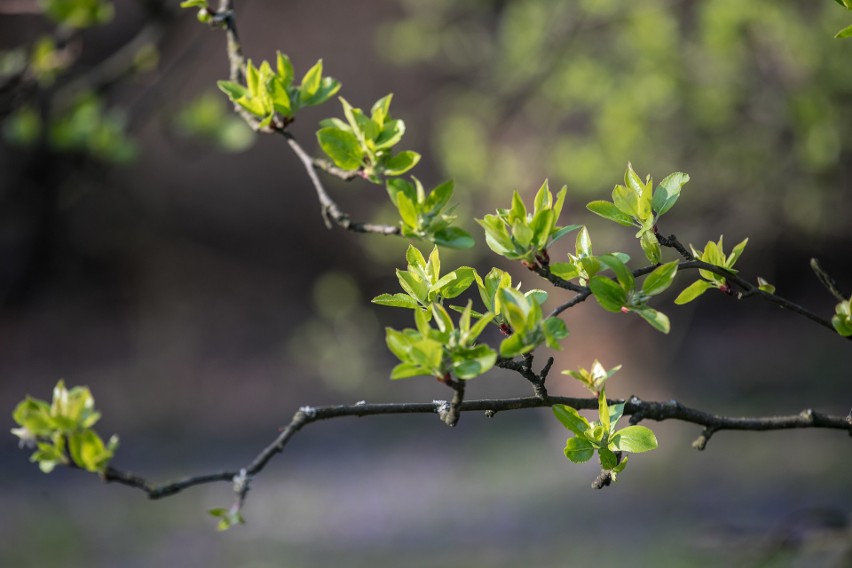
x,y
156,250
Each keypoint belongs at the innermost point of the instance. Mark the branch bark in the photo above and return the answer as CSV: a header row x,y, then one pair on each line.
x,y
634,407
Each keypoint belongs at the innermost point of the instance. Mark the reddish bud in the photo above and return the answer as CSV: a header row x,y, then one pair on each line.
x,y
625,310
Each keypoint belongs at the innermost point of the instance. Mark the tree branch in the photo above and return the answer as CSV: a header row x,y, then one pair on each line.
x,y
636,408
224,18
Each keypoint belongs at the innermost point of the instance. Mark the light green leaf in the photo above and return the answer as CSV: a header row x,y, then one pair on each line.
x,y
658,320
660,279
609,295
650,246
311,82
342,147
400,163
571,419
622,273
608,459
635,439
396,301
693,291
579,450
668,192
609,211
453,237
844,33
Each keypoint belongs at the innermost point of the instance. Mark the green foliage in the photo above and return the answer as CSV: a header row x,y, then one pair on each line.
x,y
488,287
85,127
622,295
423,283
583,264
637,204
595,378
365,143
427,216
520,235
847,31
443,350
208,118
602,436
227,517
842,319
46,61
526,323
714,254
269,91
62,430
78,13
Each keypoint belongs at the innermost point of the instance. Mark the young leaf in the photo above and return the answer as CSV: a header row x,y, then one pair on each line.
x,y
311,82
571,419
660,279
609,295
453,237
693,291
342,147
579,450
635,439
658,320
668,191
609,211
400,163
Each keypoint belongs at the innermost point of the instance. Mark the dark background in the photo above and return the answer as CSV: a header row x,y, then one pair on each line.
x,y
199,295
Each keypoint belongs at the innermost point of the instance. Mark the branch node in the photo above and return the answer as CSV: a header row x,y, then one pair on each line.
x,y
309,411
604,479
490,413
701,442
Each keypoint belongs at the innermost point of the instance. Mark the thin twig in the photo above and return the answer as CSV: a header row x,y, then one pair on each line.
x,y
634,407
828,281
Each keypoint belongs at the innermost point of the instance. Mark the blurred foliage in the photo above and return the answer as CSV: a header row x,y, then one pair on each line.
x,y
210,118
747,96
85,127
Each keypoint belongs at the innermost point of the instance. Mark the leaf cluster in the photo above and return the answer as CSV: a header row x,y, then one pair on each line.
x,y
61,431
637,204
594,378
269,91
364,143
622,294
583,264
427,216
519,234
602,436
714,253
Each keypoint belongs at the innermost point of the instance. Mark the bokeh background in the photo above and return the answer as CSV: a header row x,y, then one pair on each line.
x,y
153,249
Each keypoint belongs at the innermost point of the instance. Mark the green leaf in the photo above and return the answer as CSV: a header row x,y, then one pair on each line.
x,y
660,279
658,320
342,147
439,197
844,33
609,294
571,419
626,200
693,291
609,211
564,270
635,439
474,362
514,345
381,109
193,4
396,301
311,82
400,163
608,459
579,450
622,273
668,192
650,246
559,233
453,237
233,90
415,258
735,254
464,276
